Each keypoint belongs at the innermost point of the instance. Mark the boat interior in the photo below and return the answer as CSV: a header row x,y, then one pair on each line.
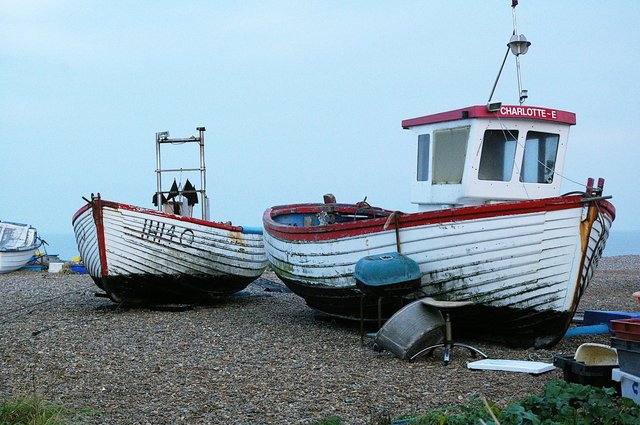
x,y
324,214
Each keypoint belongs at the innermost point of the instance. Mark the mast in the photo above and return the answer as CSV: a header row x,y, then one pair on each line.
x,y
519,45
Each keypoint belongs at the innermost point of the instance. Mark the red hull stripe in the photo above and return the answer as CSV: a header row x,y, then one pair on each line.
x,y
373,225
526,112
160,214
98,220
174,217
79,212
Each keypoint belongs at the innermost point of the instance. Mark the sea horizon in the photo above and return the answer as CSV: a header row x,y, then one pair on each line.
x,y
620,242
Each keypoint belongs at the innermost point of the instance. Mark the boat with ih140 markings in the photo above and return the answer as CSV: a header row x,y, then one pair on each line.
x,y
166,256
492,227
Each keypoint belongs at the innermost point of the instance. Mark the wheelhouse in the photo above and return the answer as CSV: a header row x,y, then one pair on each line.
x,y
474,155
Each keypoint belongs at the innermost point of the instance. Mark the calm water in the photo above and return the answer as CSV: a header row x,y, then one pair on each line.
x,y
62,244
619,243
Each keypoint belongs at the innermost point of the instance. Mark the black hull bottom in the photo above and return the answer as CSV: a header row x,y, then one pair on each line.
x,y
504,325
145,289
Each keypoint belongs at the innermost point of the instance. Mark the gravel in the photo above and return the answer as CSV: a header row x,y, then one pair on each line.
x,y
259,358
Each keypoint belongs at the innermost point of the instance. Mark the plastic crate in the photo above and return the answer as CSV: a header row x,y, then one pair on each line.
x,y
597,317
78,268
628,354
580,373
629,384
626,328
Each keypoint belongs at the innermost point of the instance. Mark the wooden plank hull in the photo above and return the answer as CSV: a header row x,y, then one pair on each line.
x,y
523,264
143,256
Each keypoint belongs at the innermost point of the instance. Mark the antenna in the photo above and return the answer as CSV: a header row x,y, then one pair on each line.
x,y
519,45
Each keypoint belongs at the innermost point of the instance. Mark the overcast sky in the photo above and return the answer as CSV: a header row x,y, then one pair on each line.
x,y
299,98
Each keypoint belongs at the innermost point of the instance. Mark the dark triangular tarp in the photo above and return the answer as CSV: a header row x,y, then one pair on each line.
x,y
174,190
163,200
189,192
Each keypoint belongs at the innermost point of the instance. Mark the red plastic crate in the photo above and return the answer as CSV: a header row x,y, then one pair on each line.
x,y
626,329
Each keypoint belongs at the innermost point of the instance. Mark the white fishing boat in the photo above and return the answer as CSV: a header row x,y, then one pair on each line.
x,y
18,243
144,256
492,226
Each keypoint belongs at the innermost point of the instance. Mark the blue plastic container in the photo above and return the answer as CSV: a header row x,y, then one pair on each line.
x,y
78,268
390,273
598,317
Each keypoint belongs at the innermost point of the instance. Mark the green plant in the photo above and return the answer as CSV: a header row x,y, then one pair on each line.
x,y
31,411
331,420
472,413
561,403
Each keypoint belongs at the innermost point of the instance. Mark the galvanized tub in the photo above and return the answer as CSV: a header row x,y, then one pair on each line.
x,y
412,328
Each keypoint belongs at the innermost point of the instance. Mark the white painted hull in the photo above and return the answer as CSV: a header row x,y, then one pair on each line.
x,y
18,243
14,260
141,256
532,262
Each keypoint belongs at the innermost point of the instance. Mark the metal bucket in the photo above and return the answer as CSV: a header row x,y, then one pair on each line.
x,y
412,328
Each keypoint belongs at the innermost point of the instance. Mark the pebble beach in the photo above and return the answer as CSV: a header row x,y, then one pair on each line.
x,y
261,357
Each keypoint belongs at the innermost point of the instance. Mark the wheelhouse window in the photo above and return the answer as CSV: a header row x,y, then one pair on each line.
x,y
539,161
498,155
423,157
449,152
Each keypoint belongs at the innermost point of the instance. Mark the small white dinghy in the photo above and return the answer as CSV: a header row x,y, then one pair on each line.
x,y
18,242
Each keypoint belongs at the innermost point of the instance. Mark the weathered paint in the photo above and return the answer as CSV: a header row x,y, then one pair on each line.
x,y
369,224
516,257
141,256
96,206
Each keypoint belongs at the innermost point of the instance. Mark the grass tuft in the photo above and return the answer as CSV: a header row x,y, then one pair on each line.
x,y
31,410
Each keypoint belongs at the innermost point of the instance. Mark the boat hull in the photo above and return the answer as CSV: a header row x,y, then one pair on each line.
x,y
14,260
18,243
523,264
142,256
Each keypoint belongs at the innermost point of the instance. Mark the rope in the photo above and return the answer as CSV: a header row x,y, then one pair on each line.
x,y
395,216
48,300
590,268
363,205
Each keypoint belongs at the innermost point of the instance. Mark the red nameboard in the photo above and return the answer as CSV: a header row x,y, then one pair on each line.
x,y
506,111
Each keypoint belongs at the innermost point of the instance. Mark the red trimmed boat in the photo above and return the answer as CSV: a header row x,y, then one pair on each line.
x,y
492,227
142,256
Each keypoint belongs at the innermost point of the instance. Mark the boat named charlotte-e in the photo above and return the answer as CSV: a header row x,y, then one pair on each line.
x,y
492,226
143,256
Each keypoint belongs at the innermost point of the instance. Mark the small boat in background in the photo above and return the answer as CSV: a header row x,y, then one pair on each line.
x,y
18,242
143,256
492,227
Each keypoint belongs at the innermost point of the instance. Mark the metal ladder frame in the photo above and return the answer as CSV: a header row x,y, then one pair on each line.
x,y
163,137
